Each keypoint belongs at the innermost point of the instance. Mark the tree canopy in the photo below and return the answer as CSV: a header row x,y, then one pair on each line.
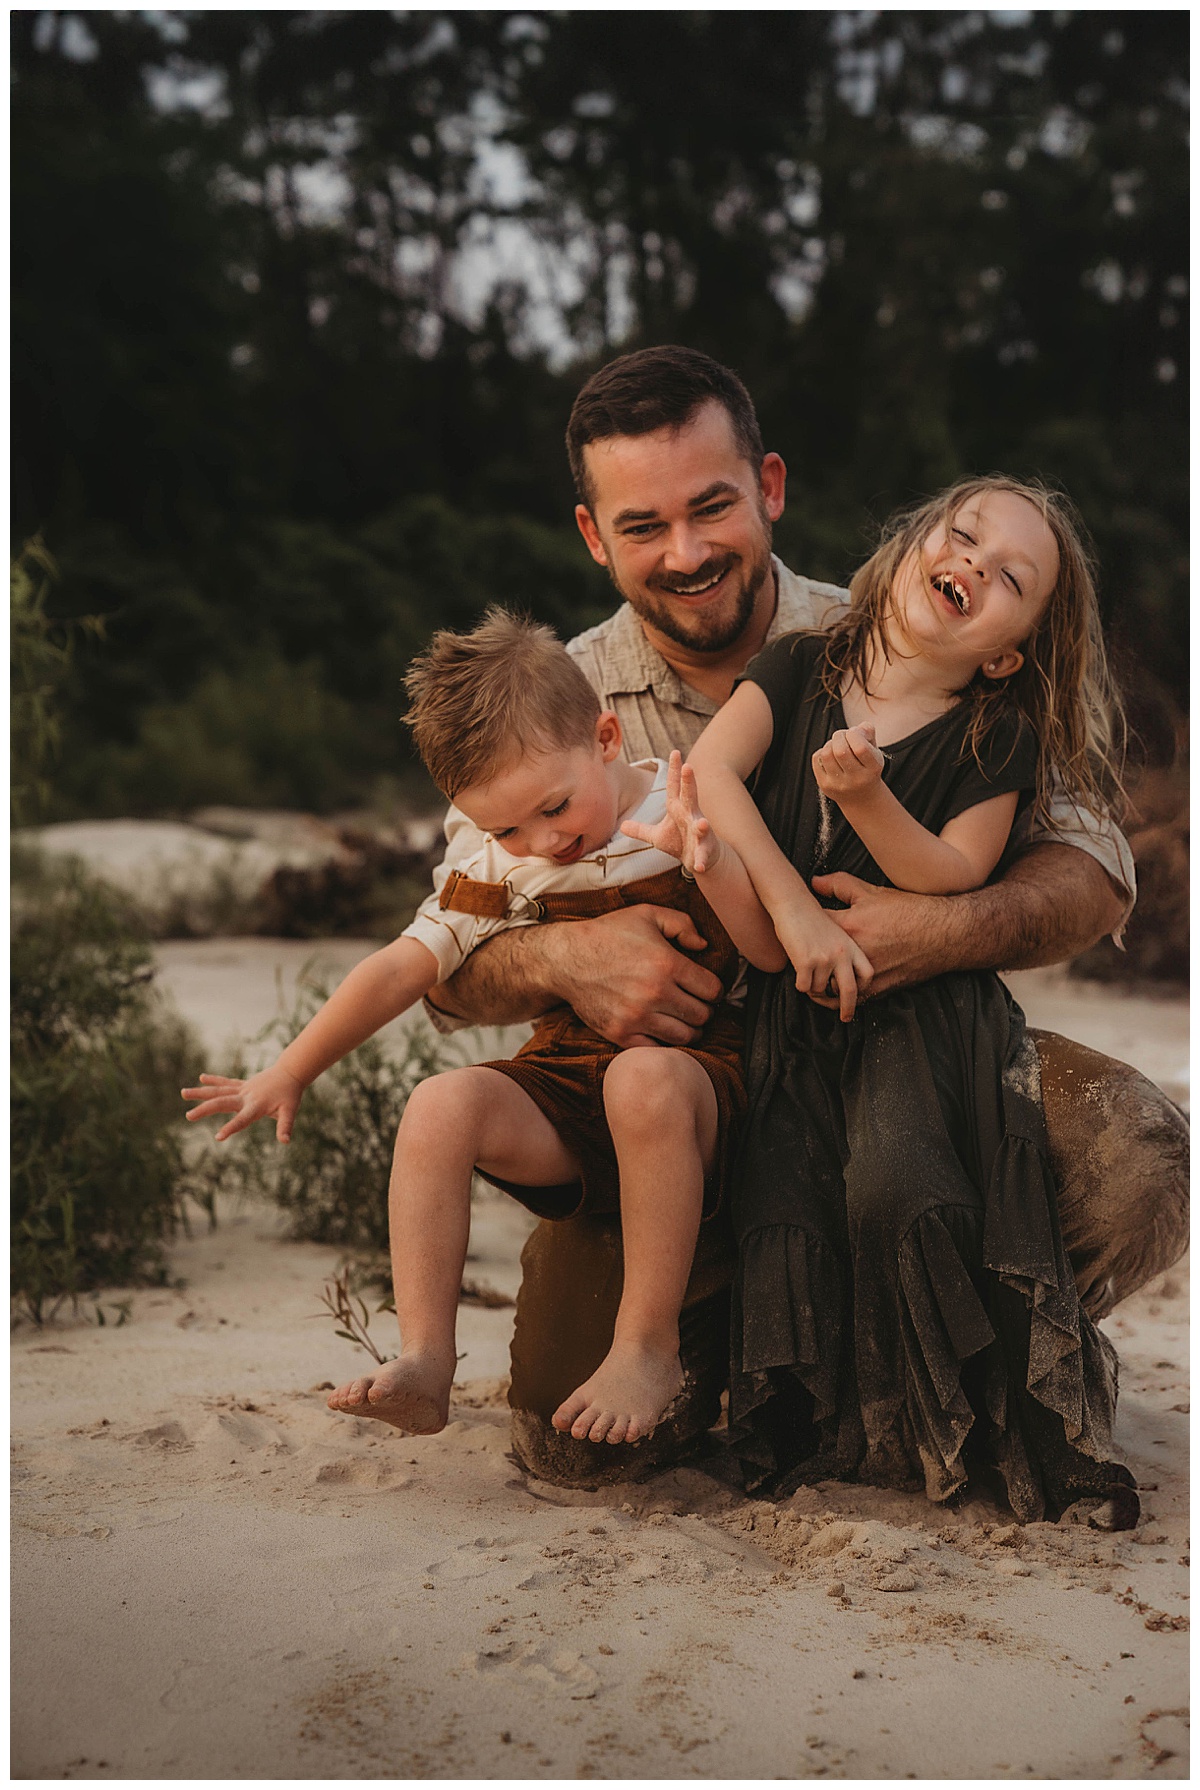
x,y
301,300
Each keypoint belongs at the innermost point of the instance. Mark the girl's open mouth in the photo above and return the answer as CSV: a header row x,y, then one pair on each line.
x,y
571,854
954,592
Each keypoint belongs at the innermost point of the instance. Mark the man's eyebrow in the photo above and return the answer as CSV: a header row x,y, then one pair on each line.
x,y
721,488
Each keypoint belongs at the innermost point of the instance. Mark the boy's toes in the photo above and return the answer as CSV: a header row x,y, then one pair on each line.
x,y
603,1425
617,1431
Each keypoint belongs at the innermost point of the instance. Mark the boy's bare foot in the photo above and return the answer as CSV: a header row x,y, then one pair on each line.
x,y
413,1393
625,1397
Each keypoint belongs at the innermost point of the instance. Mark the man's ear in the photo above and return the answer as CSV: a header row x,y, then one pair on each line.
x,y
1004,664
587,527
772,482
608,735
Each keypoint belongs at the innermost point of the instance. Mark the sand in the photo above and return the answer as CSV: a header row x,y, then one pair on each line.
x,y
216,1577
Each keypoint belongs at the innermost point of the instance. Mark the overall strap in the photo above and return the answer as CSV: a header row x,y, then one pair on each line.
x,y
670,888
496,901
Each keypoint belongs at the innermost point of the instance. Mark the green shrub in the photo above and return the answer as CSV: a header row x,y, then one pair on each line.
x,y
97,1063
333,1176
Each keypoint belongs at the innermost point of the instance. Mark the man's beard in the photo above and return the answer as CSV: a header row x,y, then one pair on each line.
x,y
702,631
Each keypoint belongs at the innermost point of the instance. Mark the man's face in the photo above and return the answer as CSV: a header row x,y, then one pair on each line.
x,y
682,521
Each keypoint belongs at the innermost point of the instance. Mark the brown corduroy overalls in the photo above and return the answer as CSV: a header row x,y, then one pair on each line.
x,y
562,1067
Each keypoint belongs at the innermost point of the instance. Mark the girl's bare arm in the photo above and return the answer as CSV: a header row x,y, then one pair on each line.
x,y
849,771
731,746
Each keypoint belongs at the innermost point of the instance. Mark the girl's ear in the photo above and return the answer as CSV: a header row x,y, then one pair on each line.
x,y
608,735
1004,664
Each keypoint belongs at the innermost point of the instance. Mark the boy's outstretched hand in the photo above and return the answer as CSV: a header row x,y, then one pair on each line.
x,y
271,1094
683,832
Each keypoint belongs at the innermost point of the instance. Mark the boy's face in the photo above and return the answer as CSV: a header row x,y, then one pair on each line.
x,y
559,804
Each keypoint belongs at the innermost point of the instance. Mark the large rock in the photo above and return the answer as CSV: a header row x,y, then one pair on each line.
x,y
229,870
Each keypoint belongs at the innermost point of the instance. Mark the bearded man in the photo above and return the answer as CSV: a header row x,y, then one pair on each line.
x,y
676,500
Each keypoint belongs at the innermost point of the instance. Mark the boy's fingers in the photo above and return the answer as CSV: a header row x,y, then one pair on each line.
x,y
223,1103
637,829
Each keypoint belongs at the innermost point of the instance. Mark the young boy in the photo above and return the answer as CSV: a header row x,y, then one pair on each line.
x,y
512,732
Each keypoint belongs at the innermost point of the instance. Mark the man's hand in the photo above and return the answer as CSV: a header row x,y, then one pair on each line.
x,y
848,763
271,1094
1052,903
623,976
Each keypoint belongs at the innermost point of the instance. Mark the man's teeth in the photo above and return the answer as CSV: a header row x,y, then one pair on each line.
x,y
695,590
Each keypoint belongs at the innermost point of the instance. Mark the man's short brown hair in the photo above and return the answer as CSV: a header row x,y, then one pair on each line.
x,y
481,700
656,388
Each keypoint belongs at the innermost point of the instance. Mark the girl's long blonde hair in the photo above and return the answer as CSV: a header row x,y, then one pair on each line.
x,y
1064,687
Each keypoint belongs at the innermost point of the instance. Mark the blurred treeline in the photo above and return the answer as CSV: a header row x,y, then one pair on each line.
x,y
301,300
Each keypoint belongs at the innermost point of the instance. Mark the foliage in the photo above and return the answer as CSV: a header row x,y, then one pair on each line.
x,y
96,1069
333,1176
301,300
39,654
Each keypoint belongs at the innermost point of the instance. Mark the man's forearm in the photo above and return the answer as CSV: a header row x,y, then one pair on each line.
x,y
504,982
1053,903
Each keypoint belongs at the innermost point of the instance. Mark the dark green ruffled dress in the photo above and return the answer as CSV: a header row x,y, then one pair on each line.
x,y
904,1305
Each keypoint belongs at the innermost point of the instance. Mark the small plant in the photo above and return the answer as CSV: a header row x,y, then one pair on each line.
x,y
39,655
354,1325
97,1063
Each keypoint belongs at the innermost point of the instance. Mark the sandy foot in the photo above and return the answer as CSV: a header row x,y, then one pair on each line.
x,y
625,1398
413,1393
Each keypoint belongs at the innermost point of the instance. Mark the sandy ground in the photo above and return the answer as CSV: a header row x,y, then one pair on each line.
x,y
215,1577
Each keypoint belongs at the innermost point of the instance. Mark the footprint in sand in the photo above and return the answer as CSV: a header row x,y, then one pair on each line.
x,y
542,1662
354,1471
162,1435
485,1554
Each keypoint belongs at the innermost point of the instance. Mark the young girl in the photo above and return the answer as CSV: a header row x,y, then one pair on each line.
x,y
904,1303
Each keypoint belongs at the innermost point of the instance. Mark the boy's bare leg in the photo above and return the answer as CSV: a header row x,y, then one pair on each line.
x,y
452,1123
662,1113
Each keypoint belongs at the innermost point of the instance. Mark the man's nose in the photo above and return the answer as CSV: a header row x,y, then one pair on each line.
x,y
686,549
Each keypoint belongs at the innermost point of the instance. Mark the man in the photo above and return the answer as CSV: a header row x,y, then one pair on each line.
x,y
677,499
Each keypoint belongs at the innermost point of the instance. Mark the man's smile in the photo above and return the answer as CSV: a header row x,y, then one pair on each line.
x,y
702,584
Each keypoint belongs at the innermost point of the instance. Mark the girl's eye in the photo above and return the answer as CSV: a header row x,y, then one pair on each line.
x,y
962,535
1013,581
552,813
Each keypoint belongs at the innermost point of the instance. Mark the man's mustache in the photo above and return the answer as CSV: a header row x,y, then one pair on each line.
x,y
708,573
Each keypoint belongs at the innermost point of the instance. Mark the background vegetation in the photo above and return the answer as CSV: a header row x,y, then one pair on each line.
x,y
96,1063
301,300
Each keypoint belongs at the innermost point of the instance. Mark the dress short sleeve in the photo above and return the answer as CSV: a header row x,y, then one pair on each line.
x,y
782,672
1007,760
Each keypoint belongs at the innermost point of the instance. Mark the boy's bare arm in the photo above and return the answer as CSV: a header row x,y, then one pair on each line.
x,y
621,973
377,990
1052,903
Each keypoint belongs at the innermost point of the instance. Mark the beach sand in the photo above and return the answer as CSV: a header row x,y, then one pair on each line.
x,y
216,1577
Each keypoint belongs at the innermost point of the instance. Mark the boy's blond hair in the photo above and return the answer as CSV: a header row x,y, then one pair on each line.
x,y
481,700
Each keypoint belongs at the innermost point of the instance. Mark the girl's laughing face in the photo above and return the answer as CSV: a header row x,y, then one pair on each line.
x,y
975,588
